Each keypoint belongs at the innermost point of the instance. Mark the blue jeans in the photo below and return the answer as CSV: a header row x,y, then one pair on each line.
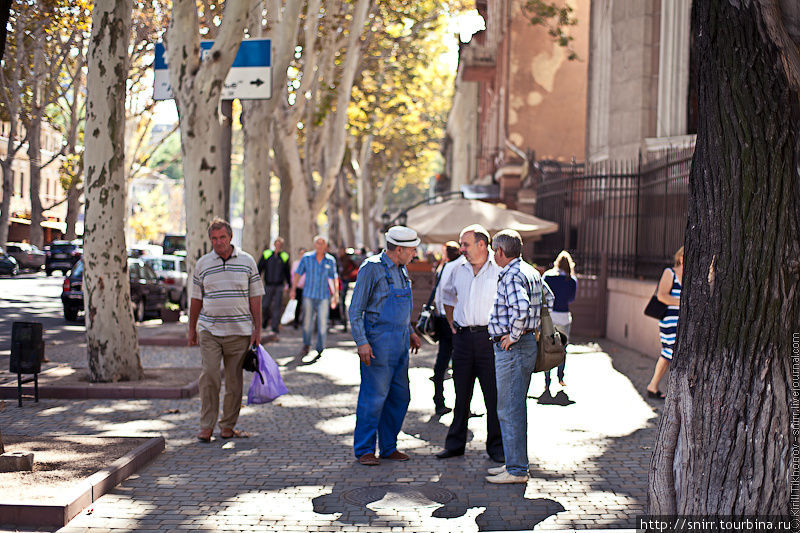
x,y
320,308
513,368
382,401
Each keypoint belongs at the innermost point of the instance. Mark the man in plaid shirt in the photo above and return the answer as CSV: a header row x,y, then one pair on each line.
x,y
515,318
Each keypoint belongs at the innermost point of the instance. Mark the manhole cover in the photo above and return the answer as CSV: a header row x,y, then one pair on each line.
x,y
398,496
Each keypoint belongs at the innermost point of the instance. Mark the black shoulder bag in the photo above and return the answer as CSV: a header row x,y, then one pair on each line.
x,y
426,323
655,307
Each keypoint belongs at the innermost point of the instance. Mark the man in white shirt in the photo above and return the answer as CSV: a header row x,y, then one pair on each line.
x,y
468,296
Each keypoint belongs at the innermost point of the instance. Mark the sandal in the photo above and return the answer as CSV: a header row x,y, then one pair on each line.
x,y
658,395
233,434
205,435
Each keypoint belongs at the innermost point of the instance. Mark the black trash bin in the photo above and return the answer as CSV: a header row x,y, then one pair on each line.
x,y
27,352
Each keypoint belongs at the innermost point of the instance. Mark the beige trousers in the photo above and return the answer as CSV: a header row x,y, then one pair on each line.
x,y
230,350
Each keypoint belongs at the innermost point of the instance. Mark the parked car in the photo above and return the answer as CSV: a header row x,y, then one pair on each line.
x,y
62,256
27,255
171,271
147,294
8,265
174,244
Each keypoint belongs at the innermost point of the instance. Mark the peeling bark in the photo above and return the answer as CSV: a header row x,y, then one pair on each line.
x,y
257,201
283,26
725,440
111,339
196,85
313,164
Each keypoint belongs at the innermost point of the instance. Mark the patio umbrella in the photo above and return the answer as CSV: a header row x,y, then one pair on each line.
x,y
442,222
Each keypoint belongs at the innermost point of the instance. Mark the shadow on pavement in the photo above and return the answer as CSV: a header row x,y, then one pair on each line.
x,y
561,398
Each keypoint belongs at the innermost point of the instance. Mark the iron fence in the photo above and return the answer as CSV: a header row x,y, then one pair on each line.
x,y
634,212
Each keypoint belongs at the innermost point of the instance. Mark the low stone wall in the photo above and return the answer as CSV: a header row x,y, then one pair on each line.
x,y
627,324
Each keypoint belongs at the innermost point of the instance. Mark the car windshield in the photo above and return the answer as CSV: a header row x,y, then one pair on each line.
x,y
12,248
62,247
77,270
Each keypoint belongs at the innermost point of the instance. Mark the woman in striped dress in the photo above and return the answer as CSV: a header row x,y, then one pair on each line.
x,y
669,293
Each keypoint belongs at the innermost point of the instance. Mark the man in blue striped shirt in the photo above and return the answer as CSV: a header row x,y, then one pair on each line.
x,y
515,317
319,293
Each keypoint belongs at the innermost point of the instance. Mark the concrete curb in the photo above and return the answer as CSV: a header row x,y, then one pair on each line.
x,y
98,391
81,496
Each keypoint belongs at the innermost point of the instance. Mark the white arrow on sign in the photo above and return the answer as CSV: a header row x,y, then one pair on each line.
x,y
250,77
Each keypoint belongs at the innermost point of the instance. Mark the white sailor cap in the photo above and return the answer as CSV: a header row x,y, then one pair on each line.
x,y
402,236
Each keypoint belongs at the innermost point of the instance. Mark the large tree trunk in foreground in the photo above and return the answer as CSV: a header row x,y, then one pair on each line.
x,y
725,443
110,332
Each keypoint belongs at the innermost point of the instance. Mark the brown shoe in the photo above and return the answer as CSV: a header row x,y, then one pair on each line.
x,y
205,435
396,455
369,459
228,433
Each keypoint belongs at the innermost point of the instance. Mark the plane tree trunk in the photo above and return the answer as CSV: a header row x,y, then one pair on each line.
x,y
283,26
196,85
111,340
725,443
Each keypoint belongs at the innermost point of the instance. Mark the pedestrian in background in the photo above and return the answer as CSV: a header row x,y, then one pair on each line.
x,y
668,293
380,318
468,298
298,310
562,281
226,308
515,317
319,293
450,256
274,266
348,271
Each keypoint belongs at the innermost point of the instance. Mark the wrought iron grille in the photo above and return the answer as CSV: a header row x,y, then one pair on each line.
x,y
634,212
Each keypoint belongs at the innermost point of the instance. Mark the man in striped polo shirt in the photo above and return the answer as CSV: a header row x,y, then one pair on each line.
x,y
226,308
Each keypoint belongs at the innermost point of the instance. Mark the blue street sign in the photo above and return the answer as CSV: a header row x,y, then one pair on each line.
x,y
250,76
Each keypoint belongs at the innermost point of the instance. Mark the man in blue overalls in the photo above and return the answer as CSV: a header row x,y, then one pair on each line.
x,y
380,319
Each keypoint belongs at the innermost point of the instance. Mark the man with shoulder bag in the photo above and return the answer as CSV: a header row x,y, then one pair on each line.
x,y
514,320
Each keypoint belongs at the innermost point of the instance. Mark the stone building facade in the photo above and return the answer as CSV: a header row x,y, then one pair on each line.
x,y
640,99
51,192
517,94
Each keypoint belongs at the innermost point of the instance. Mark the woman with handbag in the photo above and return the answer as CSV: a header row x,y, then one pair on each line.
x,y
562,281
668,293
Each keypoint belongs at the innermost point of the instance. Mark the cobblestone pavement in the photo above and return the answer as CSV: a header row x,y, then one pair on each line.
x,y
590,448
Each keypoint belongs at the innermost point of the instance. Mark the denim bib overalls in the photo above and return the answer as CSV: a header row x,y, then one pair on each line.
x,y
384,394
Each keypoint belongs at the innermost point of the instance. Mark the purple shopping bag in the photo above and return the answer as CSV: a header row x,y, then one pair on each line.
x,y
266,390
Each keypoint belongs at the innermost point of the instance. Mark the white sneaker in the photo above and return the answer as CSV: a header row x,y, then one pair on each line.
x,y
505,477
497,470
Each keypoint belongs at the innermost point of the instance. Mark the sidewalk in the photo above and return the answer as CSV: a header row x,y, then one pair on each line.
x,y
297,472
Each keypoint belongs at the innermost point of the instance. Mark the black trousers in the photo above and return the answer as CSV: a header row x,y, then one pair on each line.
x,y
442,359
473,358
271,304
299,309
